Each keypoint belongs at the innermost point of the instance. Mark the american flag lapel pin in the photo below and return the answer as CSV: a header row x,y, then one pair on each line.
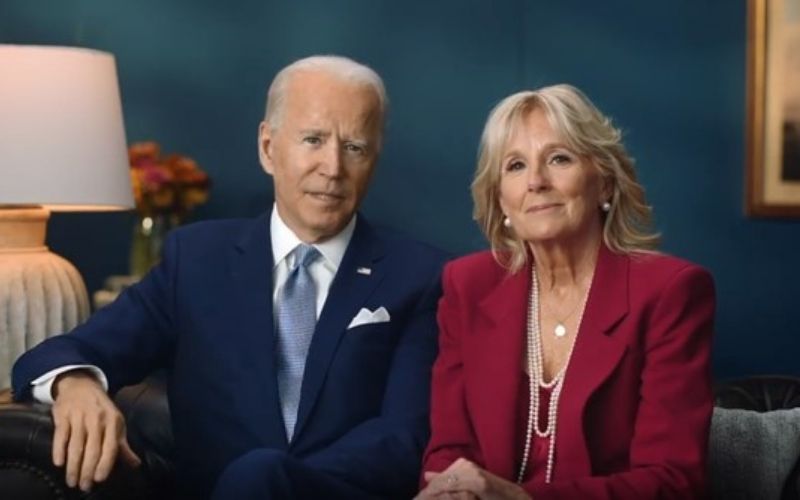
x,y
364,270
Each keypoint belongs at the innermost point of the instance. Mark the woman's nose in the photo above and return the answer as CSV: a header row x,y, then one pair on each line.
x,y
537,178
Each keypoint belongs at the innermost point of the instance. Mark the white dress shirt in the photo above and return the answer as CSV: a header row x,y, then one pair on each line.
x,y
322,270
284,241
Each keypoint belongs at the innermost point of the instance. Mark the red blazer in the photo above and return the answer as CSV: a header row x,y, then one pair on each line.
x,y
636,404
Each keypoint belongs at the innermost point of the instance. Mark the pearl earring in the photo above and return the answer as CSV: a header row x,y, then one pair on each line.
x,y
606,206
507,222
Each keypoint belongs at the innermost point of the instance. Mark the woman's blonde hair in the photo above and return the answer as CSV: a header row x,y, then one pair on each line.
x,y
626,226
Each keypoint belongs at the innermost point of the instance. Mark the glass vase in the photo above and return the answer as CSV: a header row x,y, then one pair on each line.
x,y
149,232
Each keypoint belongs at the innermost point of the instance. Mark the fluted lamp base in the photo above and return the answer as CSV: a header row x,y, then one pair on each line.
x,y
41,294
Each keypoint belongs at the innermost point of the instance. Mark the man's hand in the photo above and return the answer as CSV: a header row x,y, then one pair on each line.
x,y
465,480
89,430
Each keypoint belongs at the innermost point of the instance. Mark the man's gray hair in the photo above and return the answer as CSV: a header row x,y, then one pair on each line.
x,y
338,66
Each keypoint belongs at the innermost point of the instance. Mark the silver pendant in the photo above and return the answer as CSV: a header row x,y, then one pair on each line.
x,y
560,330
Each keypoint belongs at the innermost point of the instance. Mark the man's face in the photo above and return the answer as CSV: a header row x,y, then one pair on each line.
x,y
322,153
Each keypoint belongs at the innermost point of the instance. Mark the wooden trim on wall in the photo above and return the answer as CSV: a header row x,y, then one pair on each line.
x,y
756,203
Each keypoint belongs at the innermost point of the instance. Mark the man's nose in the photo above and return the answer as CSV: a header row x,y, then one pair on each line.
x,y
332,164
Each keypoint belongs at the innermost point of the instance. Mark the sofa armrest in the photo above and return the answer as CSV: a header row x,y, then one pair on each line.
x,y
26,466
26,469
759,393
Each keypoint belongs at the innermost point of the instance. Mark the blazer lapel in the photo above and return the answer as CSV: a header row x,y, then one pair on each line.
x,y
493,367
251,267
347,294
594,357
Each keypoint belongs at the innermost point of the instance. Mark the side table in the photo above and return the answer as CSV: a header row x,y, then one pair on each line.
x,y
112,287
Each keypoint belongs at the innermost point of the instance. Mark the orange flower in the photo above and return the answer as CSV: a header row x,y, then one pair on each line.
x,y
171,185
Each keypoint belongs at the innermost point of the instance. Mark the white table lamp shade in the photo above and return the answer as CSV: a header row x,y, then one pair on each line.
x,y
62,147
62,138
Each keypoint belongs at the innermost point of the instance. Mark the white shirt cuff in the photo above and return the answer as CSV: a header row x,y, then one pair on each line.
x,y
43,386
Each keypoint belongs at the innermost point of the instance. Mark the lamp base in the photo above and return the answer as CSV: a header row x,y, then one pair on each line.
x,y
41,294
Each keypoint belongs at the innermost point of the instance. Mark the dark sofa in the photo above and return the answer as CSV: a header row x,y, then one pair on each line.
x,y
26,433
26,470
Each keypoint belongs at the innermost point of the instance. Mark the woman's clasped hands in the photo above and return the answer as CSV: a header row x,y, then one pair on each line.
x,y
464,480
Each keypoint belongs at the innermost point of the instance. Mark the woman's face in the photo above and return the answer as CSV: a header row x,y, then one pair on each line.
x,y
550,193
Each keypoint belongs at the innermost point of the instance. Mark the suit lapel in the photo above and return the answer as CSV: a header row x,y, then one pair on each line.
x,y
595,355
251,267
348,292
494,369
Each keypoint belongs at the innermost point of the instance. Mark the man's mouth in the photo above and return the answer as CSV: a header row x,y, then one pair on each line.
x,y
326,196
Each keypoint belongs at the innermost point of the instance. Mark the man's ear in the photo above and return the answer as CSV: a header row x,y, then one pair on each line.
x,y
265,147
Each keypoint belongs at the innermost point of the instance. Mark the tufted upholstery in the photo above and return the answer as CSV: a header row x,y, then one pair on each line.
x,y
760,393
764,393
26,467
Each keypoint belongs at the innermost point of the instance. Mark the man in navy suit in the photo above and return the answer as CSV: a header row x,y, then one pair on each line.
x,y
212,314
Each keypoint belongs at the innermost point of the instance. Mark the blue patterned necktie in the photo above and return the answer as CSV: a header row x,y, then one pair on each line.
x,y
297,316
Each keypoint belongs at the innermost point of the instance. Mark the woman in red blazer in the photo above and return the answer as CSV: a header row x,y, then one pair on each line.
x,y
574,359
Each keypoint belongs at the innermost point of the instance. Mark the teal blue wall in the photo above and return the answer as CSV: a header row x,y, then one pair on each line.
x,y
672,74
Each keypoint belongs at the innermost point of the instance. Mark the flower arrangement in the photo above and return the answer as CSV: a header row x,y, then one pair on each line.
x,y
171,185
166,189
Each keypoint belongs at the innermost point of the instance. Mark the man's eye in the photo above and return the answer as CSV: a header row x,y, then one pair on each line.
x,y
313,140
354,148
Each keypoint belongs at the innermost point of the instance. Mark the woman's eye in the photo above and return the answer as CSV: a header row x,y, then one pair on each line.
x,y
560,159
514,166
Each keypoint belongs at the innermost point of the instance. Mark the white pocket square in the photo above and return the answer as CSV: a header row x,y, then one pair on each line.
x,y
366,317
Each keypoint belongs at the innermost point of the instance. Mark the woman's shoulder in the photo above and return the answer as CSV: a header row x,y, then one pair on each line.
x,y
483,259
655,261
479,262
475,269
661,268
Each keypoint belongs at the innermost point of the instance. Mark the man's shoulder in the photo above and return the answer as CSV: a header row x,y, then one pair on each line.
x,y
217,231
404,246
216,226
394,237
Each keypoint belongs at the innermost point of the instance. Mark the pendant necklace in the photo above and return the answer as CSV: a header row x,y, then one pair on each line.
x,y
560,329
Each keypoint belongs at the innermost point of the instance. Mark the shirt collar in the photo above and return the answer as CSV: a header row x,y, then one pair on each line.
x,y
284,241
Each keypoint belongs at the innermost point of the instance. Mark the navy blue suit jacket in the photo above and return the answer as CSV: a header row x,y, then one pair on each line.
x,y
205,315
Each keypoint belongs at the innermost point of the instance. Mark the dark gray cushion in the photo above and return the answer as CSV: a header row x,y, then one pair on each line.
x,y
751,453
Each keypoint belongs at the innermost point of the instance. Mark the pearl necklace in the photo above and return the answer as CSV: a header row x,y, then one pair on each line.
x,y
536,380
